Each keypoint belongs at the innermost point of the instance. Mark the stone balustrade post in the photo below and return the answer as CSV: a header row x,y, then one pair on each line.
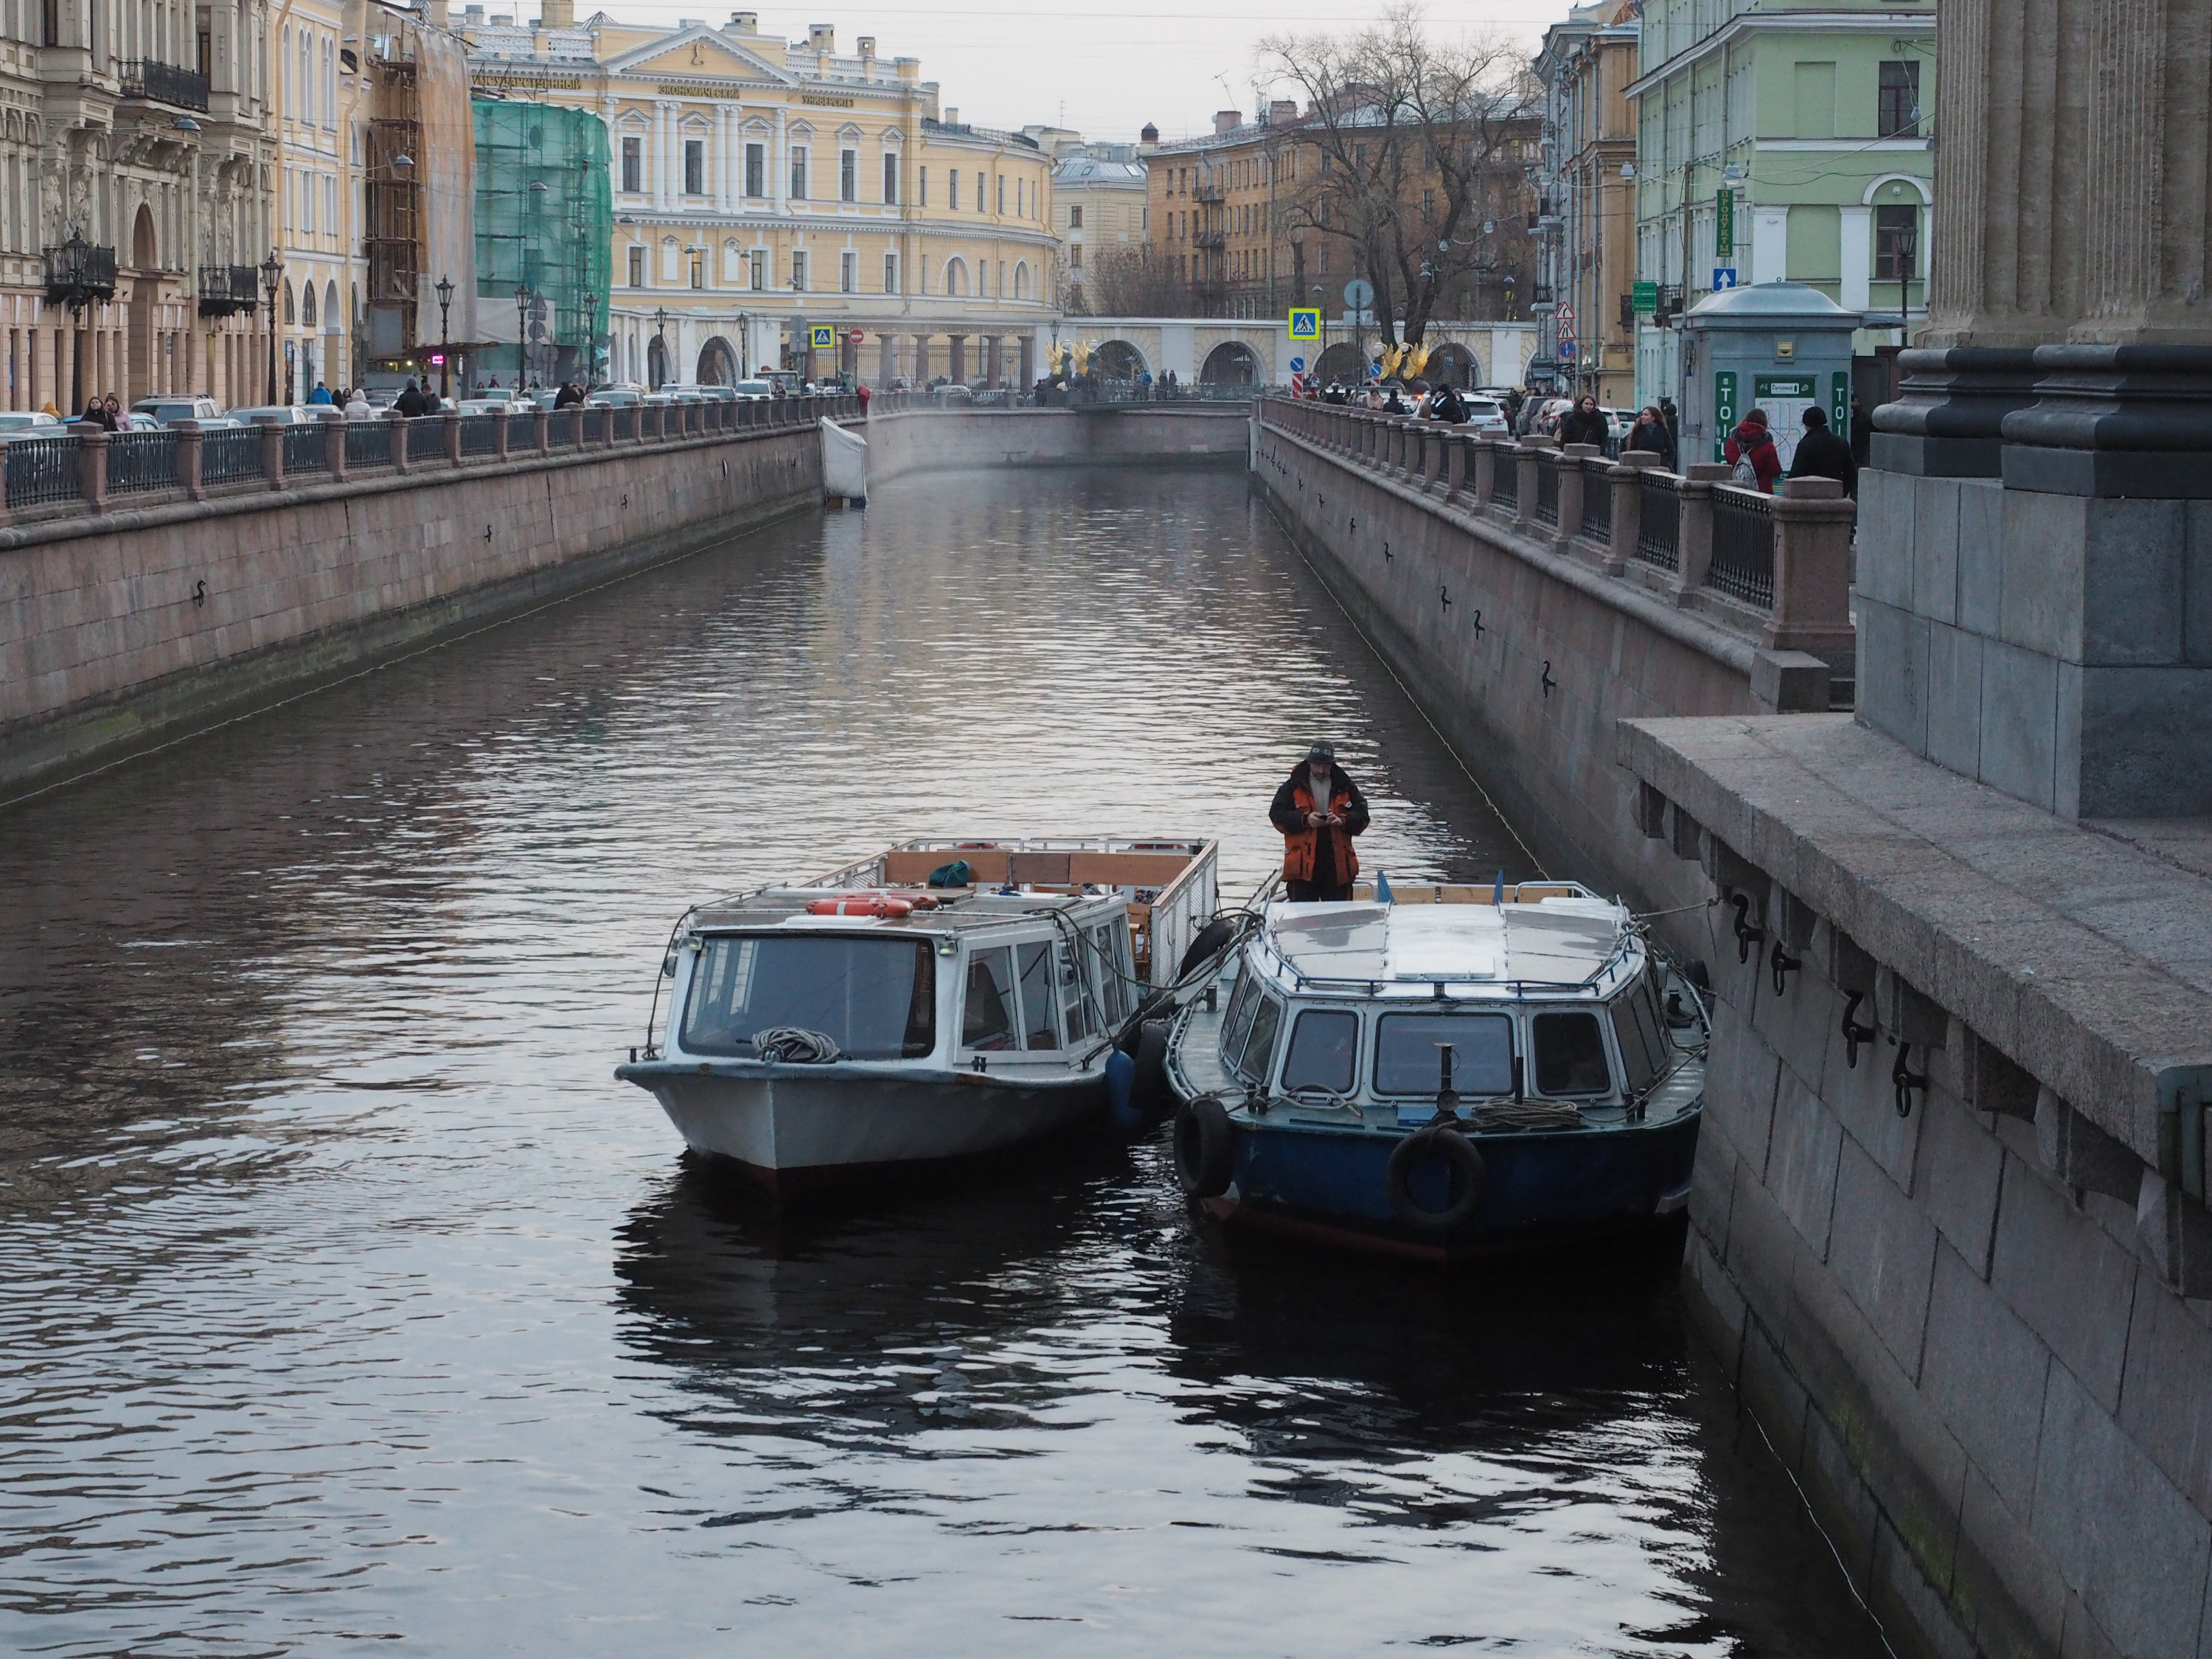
x,y
499,433
1405,449
399,462
1524,458
272,450
1456,445
1570,463
542,420
1627,476
1813,521
92,464
191,451
1485,450
332,423
1693,542
637,423
453,436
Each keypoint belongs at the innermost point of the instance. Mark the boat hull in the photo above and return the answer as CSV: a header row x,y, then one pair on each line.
x,y
807,1132
1542,1189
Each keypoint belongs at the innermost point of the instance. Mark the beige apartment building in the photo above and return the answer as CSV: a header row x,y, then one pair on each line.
x,y
1587,215
765,189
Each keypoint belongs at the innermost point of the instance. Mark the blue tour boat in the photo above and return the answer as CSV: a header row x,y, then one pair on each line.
x,y
1447,1071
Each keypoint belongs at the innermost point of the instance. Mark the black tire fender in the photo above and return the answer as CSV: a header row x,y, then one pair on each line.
x,y
1204,1150
1460,1156
1149,1091
1213,939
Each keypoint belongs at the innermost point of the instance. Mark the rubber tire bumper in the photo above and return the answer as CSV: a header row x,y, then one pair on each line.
x,y
1148,1091
1459,1154
1205,1149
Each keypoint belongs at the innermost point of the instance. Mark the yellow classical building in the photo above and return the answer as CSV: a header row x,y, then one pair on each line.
x,y
766,190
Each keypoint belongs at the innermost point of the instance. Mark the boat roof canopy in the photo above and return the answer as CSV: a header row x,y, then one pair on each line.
x,y
1576,942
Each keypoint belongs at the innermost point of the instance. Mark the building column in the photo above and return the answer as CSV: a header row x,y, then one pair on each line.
x,y
920,371
888,360
993,345
1026,344
956,355
779,161
1855,290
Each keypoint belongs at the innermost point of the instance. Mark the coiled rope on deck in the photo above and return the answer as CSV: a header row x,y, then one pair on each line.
x,y
794,1045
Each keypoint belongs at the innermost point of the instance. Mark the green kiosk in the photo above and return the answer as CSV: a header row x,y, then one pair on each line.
x,y
1782,347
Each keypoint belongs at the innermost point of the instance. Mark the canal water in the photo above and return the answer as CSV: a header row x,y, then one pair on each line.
x,y
346,1300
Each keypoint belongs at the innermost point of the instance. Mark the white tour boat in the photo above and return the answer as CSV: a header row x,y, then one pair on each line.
x,y
867,1018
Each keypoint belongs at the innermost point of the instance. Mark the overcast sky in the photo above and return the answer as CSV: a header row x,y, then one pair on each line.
x,y
1103,69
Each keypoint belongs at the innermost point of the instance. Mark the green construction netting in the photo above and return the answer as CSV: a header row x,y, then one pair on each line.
x,y
545,214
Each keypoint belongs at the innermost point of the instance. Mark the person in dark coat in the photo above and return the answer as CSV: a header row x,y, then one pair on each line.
x,y
411,401
1822,454
1650,433
1861,432
1319,809
1585,424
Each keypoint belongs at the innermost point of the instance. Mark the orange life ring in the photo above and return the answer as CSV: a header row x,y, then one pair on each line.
x,y
882,906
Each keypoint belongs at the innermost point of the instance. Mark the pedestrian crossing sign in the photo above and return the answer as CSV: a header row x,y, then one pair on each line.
x,y
825,337
1305,323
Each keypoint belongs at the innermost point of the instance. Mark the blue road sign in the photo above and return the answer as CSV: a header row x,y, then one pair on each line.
x,y
1723,276
1298,365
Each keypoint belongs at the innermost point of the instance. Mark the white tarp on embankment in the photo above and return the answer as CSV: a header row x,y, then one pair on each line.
x,y
844,463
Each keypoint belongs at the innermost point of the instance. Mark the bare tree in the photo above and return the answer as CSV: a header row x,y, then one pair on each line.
x,y
1128,279
1416,140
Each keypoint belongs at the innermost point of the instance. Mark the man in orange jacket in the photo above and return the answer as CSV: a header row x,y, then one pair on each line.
x,y
1319,809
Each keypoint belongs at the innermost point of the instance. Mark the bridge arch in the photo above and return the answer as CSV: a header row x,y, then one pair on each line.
x,y
1230,363
718,363
1116,360
1452,364
1341,362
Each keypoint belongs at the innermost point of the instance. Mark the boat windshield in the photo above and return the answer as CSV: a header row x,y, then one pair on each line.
x,y
1407,1060
876,999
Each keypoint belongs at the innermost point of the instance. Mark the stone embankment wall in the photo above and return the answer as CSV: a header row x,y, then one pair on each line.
x,y
1958,1254
121,629
1149,435
1512,638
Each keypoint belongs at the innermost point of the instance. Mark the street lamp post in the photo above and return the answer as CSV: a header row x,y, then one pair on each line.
x,y
523,296
591,337
273,274
660,333
445,334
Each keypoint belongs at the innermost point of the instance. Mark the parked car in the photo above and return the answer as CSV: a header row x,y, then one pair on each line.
x,y
506,406
160,411
1485,413
712,394
1622,420
753,391
280,414
16,424
616,397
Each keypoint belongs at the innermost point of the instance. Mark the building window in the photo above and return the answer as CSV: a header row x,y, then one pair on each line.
x,y
890,177
633,164
799,272
890,273
757,268
637,267
952,187
848,273
848,175
799,173
1899,116
698,270
921,178
756,170
695,167
1075,256
1896,238
1002,195
1075,218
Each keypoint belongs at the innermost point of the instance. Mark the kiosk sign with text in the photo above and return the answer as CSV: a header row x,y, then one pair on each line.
x,y
1305,322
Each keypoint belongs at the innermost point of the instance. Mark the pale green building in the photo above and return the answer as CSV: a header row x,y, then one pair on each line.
x,y
1817,120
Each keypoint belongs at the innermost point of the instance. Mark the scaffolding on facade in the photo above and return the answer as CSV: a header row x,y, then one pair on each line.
x,y
544,228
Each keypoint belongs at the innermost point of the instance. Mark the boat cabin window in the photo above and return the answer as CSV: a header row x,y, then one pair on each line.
x,y
1638,1028
987,1017
1109,967
1077,1009
1570,1055
1408,1060
876,999
1324,1050
1040,1026
1237,1023
1257,1056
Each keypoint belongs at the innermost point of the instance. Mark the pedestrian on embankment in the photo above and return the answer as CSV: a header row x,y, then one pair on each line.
x,y
1318,810
1585,424
1822,454
1650,433
1754,462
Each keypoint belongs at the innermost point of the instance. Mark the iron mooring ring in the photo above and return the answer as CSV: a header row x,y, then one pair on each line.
x,y
1548,682
1783,964
1906,1079
1747,932
1854,1033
